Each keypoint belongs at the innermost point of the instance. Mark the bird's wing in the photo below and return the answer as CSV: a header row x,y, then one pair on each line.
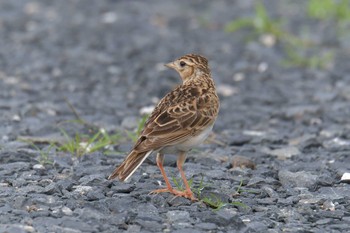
x,y
177,118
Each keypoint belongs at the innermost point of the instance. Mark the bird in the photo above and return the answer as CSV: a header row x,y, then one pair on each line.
x,y
181,120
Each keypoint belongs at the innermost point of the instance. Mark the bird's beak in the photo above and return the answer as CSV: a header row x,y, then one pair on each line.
x,y
170,65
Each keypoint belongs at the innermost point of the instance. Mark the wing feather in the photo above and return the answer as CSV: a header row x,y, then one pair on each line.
x,y
175,120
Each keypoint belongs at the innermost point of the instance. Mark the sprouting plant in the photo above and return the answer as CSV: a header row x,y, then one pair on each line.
x,y
294,58
240,189
133,135
82,144
338,10
214,202
261,23
217,203
44,154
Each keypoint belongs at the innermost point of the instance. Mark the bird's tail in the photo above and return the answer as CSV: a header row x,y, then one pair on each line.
x,y
129,165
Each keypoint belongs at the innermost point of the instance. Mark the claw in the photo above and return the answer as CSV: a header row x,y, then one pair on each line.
x,y
177,193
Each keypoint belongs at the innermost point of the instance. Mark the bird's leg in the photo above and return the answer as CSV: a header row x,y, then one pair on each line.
x,y
160,159
187,193
180,161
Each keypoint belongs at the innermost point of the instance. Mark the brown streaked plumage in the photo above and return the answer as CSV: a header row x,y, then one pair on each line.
x,y
182,120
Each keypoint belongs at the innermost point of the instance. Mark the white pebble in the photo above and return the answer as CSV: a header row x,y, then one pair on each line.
x,y
345,177
38,167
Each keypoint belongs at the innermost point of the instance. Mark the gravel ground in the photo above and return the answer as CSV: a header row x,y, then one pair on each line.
x,y
106,58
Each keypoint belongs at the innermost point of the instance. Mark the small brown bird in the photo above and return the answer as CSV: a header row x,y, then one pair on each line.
x,y
182,120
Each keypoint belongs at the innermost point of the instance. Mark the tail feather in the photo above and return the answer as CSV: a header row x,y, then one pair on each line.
x,y
129,165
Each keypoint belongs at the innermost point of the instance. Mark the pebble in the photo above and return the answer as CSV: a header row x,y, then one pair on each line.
x,y
282,153
177,215
242,162
297,179
38,167
345,177
67,211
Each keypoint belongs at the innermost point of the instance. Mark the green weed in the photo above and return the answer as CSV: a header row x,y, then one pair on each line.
x,y
261,23
319,61
213,201
82,144
44,154
338,10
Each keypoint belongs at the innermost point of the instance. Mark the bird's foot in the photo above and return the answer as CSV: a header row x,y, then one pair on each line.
x,y
186,194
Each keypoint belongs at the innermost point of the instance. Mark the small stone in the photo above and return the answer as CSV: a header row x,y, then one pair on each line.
x,y
257,225
206,226
51,189
123,188
226,90
268,40
177,215
345,177
242,162
336,143
186,230
82,189
67,211
4,185
109,17
38,167
133,229
254,133
178,201
333,193
282,153
262,67
239,140
297,179
16,117
328,205
270,191
237,77
115,70
146,110
267,201
324,221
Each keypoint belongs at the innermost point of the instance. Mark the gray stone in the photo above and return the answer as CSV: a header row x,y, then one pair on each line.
x,y
282,153
92,180
123,188
133,229
51,189
270,191
38,167
223,217
206,226
67,211
149,225
333,193
177,215
186,231
297,179
345,177
148,212
178,201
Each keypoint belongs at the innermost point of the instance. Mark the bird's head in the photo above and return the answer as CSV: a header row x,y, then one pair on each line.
x,y
189,65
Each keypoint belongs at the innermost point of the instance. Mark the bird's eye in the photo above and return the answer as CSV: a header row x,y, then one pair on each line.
x,y
182,63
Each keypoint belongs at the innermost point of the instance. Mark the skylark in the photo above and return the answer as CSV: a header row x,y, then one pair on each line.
x,y
182,120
